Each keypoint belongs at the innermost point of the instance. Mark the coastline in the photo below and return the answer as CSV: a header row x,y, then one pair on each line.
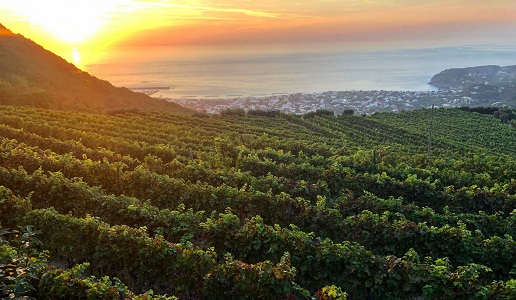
x,y
228,75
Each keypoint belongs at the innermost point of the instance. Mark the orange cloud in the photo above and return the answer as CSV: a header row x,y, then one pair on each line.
x,y
351,24
146,22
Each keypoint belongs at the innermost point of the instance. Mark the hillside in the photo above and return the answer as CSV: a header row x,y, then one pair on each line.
x,y
279,207
489,83
31,75
461,77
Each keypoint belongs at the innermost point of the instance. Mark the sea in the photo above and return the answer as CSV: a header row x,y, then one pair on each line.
x,y
227,72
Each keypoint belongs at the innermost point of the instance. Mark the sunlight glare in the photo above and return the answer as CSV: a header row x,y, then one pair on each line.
x,y
76,56
70,21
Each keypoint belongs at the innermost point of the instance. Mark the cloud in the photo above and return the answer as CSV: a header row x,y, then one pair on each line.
x,y
246,21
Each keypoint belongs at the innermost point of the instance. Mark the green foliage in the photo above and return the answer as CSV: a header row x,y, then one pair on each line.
x,y
233,112
25,273
263,113
258,207
318,112
506,115
485,110
121,111
21,264
348,112
237,280
33,76
331,292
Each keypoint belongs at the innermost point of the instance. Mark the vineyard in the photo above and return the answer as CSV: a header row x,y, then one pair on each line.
x,y
161,206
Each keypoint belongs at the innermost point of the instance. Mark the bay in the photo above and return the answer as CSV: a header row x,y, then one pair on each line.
x,y
229,72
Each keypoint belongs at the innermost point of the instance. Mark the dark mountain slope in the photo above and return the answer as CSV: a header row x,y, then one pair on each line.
x,y
489,83
31,75
462,77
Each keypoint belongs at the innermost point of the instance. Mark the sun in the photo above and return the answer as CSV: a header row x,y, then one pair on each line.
x,y
69,21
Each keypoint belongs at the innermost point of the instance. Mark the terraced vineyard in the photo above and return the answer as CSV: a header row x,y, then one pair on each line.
x,y
257,208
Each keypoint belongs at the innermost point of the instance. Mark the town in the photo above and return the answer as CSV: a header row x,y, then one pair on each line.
x,y
361,102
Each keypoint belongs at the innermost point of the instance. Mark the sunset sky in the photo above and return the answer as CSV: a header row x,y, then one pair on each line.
x,y
60,25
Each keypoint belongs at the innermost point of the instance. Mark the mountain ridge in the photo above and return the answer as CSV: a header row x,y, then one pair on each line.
x,y
32,75
457,78
491,84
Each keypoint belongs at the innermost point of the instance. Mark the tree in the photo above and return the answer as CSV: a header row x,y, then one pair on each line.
x,y
505,114
264,113
233,112
348,112
319,112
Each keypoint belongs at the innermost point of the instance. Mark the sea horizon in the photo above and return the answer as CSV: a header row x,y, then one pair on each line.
x,y
223,73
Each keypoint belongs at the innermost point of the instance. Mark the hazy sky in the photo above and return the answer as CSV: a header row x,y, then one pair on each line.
x,y
61,24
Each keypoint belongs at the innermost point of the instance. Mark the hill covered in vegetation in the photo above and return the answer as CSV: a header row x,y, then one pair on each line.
x,y
458,78
488,83
255,207
31,75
